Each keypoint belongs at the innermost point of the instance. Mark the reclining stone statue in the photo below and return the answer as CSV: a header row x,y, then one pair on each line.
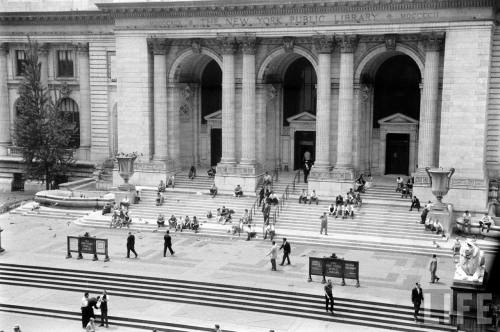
x,y
471,264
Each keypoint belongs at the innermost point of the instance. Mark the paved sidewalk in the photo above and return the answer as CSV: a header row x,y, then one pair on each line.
x,y
384,277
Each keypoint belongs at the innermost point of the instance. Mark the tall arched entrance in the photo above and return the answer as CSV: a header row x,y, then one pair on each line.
x,y
290,79
390,108
196,98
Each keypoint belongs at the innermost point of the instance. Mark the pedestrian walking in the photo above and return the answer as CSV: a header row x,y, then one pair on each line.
x,y
417,297
324,223
433,268
167,244
84,308
286,251
131,244
102,303
329,295
274,254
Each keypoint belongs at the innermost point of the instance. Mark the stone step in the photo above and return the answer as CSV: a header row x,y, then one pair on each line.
x,y
380,315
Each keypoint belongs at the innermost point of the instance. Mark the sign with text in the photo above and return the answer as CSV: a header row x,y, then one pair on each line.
x,y
334,268
87,245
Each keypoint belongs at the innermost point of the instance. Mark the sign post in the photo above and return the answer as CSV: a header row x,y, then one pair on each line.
x,y
87,245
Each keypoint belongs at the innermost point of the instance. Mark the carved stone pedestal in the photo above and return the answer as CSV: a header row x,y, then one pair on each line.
x,y
445,217
469,306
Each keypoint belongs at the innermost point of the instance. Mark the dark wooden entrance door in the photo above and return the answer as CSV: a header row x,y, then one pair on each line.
x,y
215,146
397,154
304,141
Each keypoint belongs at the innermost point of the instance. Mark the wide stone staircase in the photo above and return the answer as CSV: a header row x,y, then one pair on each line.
x,y
250,300
53,213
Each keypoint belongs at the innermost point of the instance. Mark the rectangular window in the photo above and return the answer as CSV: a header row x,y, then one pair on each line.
x,y
65,61
112,66
20,61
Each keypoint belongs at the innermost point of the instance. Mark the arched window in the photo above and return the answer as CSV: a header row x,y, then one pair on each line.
x,y
70,109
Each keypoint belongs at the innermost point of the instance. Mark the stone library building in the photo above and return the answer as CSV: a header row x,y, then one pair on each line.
x,y
253,86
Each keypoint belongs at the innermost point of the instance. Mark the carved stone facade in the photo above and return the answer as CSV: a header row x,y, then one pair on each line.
x,y
159,53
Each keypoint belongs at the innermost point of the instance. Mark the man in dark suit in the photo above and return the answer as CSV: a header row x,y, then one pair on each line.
x,y
286,251
167,244
131,244
417,297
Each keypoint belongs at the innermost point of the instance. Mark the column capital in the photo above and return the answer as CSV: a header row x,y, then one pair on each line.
x,y
433,42
248,44
4,48
347,43
82,47
227,44
43,49
323,43
157,46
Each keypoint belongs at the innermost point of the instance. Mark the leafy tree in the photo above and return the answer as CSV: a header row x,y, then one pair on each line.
x,y
42,130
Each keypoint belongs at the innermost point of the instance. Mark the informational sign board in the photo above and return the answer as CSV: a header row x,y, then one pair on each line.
x,y
334,268
87,245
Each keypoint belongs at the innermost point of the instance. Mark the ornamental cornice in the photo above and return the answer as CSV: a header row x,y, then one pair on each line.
x,y
56,18
274,7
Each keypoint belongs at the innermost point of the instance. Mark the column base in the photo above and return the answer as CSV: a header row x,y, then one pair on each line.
x,y
330,183
229,176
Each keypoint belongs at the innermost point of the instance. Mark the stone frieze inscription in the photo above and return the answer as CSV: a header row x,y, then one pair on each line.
x,y
323,19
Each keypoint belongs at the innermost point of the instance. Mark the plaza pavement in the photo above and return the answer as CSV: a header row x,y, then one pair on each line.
x,y
384,277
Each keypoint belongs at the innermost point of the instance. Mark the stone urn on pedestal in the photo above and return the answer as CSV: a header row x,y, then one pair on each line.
x,y
126,191
440,185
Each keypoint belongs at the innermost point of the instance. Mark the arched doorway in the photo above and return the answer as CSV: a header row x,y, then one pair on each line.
x,y
288,77
396,91
389,110
196,94
211,102
299,103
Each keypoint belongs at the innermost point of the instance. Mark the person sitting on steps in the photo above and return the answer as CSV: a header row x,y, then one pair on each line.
x,y
238,192
331,209
339,202
211,172
172,222
303,197
160,199
171,181
161,187
273,198
161,220
415,203
251,233
314,198
399,184
213,190
195,224
267,180
485,223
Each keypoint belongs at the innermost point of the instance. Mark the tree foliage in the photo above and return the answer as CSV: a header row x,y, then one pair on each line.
x,y
42,130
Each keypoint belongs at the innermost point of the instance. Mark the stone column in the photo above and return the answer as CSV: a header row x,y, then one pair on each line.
x,y
228,48
261,124
4,102
84,109
160,99
345,119
324,46
248,102
44,61
428,104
